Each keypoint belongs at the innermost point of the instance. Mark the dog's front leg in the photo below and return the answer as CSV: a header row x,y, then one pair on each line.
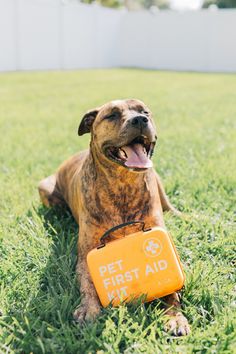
x,y
177,323
90,305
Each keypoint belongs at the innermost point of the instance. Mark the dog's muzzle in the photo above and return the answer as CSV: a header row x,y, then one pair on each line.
x,y
135,155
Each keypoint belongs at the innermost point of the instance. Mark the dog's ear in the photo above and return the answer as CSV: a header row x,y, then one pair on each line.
x,y
87,121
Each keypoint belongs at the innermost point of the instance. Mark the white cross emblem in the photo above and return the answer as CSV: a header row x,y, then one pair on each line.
x,y
152,247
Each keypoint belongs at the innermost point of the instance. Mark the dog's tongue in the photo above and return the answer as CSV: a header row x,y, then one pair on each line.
x,y
136,156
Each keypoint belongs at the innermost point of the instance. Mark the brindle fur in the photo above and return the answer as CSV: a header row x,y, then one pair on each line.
x,y
102,194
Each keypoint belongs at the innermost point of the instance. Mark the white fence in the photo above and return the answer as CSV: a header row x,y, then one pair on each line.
x,y
51,34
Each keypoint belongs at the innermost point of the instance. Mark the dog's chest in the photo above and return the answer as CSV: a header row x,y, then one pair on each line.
x,y
121,203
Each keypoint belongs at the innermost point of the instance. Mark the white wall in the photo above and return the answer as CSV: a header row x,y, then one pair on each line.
x,y
51,34
8,35
89,36
38,34
199,41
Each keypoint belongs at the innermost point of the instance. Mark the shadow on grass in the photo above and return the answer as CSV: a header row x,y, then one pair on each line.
x,y
46,324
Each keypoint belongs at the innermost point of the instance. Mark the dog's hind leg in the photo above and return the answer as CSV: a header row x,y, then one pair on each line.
x,y
49,192
165,203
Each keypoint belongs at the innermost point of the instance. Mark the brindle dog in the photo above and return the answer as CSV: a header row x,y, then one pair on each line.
x,y
111,183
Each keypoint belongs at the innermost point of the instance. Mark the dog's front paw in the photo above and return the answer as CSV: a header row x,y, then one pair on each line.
x,y
178,325
87,311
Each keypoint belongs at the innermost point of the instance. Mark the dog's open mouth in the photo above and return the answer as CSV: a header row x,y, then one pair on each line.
x,y
135,155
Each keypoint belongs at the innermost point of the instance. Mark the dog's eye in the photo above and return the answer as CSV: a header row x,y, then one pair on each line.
x,y
113,116
145,112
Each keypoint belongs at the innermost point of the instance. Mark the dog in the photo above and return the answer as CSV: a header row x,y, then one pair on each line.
x,y
112,183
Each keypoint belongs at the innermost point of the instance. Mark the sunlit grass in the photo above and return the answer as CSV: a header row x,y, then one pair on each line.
x,y
39,117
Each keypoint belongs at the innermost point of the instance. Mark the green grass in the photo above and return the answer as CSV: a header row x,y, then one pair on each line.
x,y
39,116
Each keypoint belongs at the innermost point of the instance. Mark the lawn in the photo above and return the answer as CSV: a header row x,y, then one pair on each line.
x,y
195,156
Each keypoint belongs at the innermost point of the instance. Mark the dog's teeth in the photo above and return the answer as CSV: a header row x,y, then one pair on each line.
x,y
122,154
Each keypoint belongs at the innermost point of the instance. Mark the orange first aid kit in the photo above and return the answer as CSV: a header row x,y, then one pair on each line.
x,y
144,263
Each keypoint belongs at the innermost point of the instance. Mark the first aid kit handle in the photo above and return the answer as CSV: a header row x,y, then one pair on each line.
x,y
108,232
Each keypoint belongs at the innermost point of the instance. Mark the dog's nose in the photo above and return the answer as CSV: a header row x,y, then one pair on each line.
x,y
139,121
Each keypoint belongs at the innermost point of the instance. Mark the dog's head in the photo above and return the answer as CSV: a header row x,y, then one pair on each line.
x,y
123,133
